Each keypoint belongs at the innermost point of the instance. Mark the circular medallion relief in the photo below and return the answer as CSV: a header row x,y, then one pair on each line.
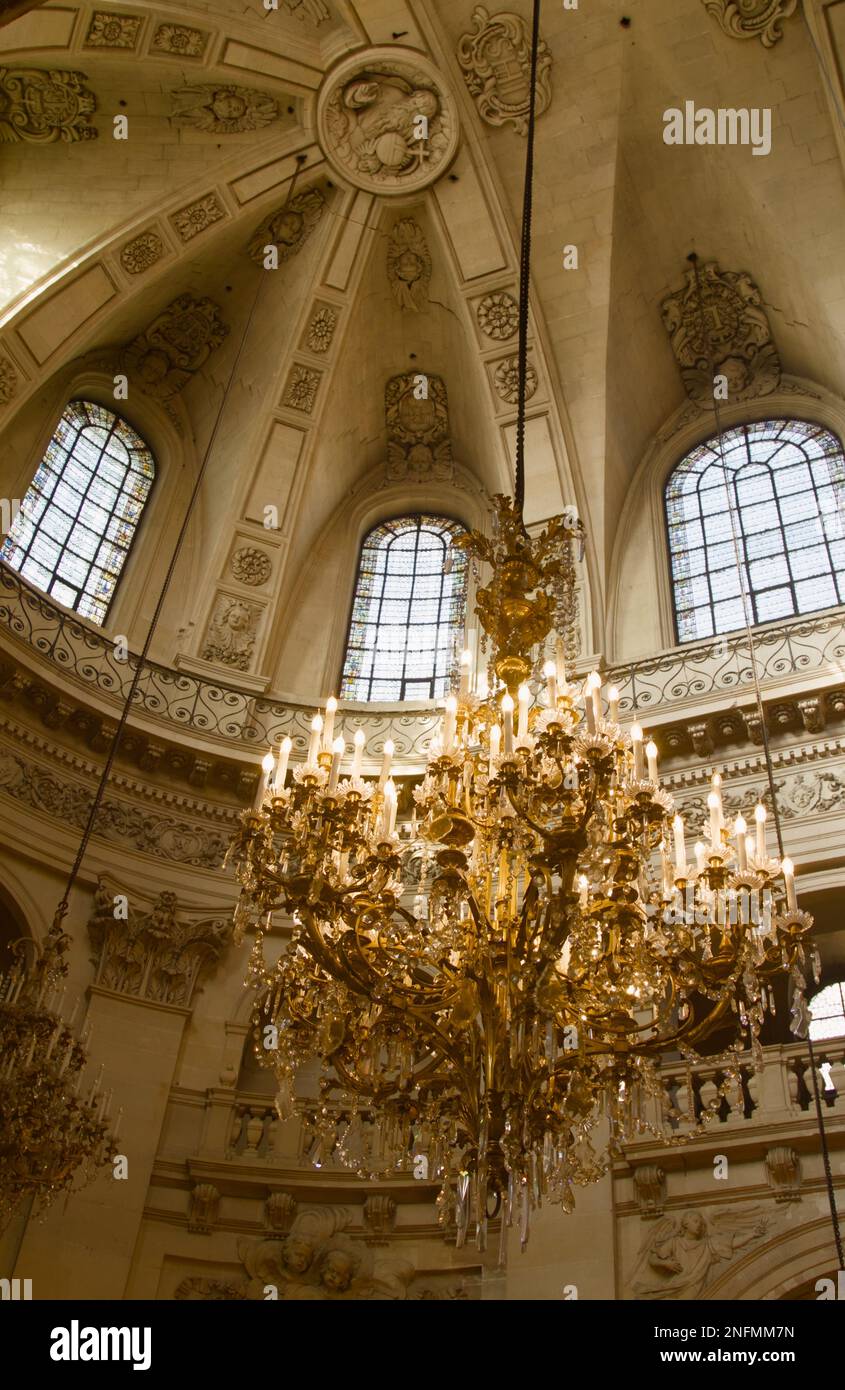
x,y
385,121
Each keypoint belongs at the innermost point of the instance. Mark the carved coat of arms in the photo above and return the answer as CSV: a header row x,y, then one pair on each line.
x,y
496,63
417,418
42,107
726,334
175,346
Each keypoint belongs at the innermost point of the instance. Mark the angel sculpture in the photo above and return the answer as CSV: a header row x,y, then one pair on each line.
x,y
678,1259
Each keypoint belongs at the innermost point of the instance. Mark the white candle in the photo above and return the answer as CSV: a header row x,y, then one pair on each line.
x,y
700,852
583,891
524,701
449,722
264,781
495,745
466,669
715,805
613,701
680,846
386,762
788,870
282,766
589,708
328,727
338,750
637,742
739,831
388,810
393,808
360,740
550,672
507,711
749,847
314,745
760,818
651,754
594,683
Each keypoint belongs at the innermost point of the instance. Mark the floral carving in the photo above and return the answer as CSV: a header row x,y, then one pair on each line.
x,y
408,265
301,390
726,334
507,380
416,412
223,109
112,30
496,63
196,217
289,228
8,380
251,566
175,346
752,19
41,107
321,330
142,252
231,635
498,315
179,40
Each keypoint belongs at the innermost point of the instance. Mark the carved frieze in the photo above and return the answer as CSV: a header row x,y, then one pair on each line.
x,y
496,61
386,121
8,380
683,1254
142,252
222,108
726,335
301,390
290,227
152,955
251,565
752,19
408,265
232,633
113,30
321,329
498,315
196,217
179,40
416,411
41,107
165,357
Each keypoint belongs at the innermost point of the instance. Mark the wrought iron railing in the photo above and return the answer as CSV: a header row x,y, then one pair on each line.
x,y
667,684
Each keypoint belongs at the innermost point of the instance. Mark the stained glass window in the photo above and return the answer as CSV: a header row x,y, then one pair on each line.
x,y
828,1011
408,616
784,482
78,519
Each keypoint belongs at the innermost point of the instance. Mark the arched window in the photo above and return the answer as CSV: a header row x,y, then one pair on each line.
x,y
828,1011
787,491
78,519
408,615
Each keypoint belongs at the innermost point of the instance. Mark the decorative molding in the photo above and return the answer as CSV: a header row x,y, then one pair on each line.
x,y
251,566
752,19
290,227
232,633
679,1256
316,11
179,41
198,216
498,315
204,1205
650,1190
506,378
408,265
8,380
222,109
175,346
280,1210
386,122
418,432
379,1218
301,389
321,329
41,107
141,253
783,1173
496,64
739,336
113,30
152,955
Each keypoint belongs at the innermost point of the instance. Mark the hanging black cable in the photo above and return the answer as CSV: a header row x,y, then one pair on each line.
x,y
525,270
761,716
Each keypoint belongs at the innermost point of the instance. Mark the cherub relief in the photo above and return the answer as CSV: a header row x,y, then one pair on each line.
x,y
679,1257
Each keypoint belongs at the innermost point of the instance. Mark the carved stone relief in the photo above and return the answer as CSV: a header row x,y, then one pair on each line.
x,y
289,228
315,11
801,794
142,252
783,1172
175,346
222,109
279,1212
232,633
752,19
251,566
386,122
732,325
42,107
8,380
179,40
496,63
681,1255
506,377
196,217
204,1205
321,329
113,30
153,955
650,1190
408,265
301,390
498,315
418,444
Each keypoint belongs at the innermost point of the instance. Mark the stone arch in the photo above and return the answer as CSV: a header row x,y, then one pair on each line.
x,y
795,1257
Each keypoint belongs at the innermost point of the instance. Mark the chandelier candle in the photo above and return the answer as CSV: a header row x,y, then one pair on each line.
x,y
760,818
613,702
386,762
740,828
267,765
594,689
328,729
637,744
550,673
524,704
507,715
651,754
316,737
495,745
282,765
680,847
358,759
338,750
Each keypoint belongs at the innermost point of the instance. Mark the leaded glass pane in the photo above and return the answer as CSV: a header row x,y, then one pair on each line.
x,y
771,495
407,615
82,506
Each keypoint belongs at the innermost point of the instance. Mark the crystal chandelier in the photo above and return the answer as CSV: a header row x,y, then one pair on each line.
x,y
53,1138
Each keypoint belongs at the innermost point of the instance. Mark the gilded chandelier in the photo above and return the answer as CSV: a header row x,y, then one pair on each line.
x,y
490,994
